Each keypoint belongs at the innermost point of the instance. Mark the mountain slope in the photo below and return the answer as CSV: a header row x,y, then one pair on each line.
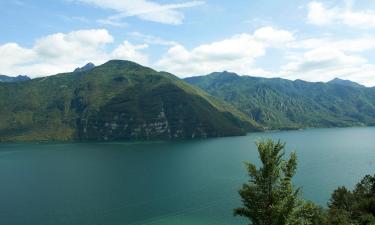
x,y
117,100
283,104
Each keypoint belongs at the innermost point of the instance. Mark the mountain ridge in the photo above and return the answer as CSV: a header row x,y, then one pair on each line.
x,y
119,100
345,82
278,103
229,74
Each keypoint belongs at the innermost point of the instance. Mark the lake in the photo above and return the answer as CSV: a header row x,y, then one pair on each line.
x,y
169,183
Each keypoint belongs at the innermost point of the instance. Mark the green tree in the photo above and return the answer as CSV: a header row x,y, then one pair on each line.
x,y
355,207
364,207
270,198
308,213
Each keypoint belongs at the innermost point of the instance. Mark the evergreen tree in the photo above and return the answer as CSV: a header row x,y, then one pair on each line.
x,y
270,198
353,207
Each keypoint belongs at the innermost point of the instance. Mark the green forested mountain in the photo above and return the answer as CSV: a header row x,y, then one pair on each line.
x,y
283,104
117,100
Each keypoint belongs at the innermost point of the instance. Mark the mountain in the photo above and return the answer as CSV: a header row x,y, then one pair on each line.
x,y
283,104
4,78
119,100
345,83
87,67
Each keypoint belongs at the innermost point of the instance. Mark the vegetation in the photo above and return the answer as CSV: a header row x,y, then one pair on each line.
x,y
117,100
355,207
124,100
283,104
270,198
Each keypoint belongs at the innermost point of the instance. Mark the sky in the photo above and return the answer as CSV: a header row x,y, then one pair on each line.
x,y
301,39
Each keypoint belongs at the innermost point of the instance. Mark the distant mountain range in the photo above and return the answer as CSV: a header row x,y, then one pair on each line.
x,y
283,104
4,78
122,100
119,100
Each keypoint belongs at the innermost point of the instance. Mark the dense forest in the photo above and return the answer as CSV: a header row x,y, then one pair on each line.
x,y
277,103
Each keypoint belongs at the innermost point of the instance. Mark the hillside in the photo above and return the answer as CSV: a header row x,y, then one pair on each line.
x,y
117,100
283,104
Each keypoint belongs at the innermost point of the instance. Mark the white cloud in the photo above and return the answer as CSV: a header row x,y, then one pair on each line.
x,y
315,59
235,54
319,14
149,39
76,45
63,52
132,52
273,37
144,9
360,44
12,54
112,23
322,59
325,63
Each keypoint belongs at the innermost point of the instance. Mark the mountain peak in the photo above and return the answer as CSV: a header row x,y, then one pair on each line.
x,y
224,75
124,65
343,82
87,67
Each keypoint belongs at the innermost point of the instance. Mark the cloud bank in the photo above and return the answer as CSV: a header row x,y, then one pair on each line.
x,y
309,59
236,53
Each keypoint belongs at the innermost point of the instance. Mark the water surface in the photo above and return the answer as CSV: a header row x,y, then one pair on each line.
x,y
169,183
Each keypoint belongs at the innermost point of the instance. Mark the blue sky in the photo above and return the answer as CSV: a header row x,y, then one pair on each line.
x,y
310,40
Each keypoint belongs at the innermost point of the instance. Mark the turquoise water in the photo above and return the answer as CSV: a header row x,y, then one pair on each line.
x,y
176,183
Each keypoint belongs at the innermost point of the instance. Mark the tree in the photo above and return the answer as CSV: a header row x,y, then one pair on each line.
x,y
308,213
270,198
340,207
353,207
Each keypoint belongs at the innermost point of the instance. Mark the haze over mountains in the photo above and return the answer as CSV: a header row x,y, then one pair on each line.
x,y
124,100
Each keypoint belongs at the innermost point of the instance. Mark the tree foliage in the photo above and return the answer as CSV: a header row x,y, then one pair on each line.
x,y
270,198
355,207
